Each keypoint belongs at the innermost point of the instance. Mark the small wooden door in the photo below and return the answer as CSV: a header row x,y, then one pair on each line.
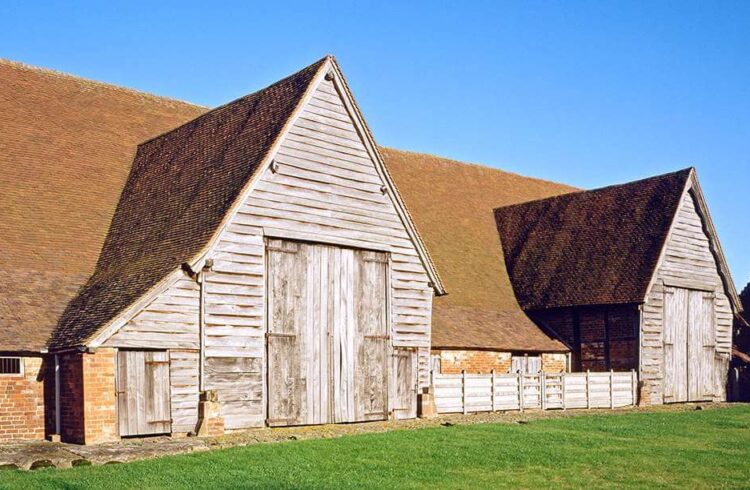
x,y
143,393
689,345
405,367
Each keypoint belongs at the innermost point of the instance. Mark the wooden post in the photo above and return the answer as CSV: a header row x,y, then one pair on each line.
x,y
611,388
634,386
562,383
520,390
543,390
493,390
588,390
463,390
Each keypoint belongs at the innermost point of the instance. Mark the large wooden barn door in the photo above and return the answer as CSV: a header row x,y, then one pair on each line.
x,y
287,332
143,393
675,344
372,339
701,346
689,345
327,334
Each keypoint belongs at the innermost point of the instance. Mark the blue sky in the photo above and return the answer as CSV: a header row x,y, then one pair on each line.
x,y
586,93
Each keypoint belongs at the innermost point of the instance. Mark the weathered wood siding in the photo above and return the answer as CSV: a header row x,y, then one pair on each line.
x,y
323,188
169,322
688,262
183,380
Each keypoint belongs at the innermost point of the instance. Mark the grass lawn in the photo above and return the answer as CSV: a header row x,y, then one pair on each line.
x,y
669,449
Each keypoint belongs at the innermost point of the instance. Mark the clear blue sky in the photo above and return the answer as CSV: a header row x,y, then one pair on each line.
x,y
587,93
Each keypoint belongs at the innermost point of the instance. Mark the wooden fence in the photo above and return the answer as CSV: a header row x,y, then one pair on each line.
x,y
456,393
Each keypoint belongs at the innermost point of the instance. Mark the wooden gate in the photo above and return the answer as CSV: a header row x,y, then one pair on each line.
x,y
143,401
689,345
327,334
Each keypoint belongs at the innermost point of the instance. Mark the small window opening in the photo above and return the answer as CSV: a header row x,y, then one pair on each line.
x,y
10,365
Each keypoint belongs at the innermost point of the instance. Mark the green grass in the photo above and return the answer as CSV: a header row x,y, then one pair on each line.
x,y
668,449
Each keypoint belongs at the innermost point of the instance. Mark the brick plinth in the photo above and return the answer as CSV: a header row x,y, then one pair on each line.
x,y
88,403
473,361
554,363
22,403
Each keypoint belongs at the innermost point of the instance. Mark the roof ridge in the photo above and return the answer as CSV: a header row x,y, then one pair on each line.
x,y
600,189
475,164
97,83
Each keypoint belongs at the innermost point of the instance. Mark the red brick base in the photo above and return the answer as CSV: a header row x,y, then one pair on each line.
x,y
483,362
22,403
473,361
88,403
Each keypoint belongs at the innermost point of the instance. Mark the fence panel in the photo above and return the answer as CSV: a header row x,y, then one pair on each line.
x,y
469,393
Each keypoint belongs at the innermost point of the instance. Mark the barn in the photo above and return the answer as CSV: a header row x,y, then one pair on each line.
x,y
630,276
171,269
276,210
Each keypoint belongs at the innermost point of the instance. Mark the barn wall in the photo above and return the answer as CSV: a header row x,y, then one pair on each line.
x,y
601,337
169,322
688,262
323,188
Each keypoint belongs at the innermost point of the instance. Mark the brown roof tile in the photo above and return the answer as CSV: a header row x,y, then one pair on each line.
x,y
66,145
452,205
180,188
589,247
60,135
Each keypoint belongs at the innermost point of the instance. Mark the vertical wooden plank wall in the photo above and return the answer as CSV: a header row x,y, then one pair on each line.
x,y
687,259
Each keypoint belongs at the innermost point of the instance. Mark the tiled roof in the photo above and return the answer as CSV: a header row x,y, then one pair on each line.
x,y
590,247
66,146
452,205
180,188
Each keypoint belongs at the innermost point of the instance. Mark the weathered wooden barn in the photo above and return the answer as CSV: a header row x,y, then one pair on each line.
x,y
630,277
261,255
260,252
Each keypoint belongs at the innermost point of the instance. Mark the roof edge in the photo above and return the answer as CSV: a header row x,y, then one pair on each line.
x,y
597,189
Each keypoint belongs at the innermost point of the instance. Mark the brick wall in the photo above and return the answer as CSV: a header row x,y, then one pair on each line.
x,y
475,362
100,399
88,404
22,403
554,362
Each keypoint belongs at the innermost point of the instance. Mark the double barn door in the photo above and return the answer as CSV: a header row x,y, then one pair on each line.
x,y
328,344
689,344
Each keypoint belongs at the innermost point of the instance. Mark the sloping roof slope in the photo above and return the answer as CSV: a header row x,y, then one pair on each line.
x,y
66,146
452,205
180,188
590,247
